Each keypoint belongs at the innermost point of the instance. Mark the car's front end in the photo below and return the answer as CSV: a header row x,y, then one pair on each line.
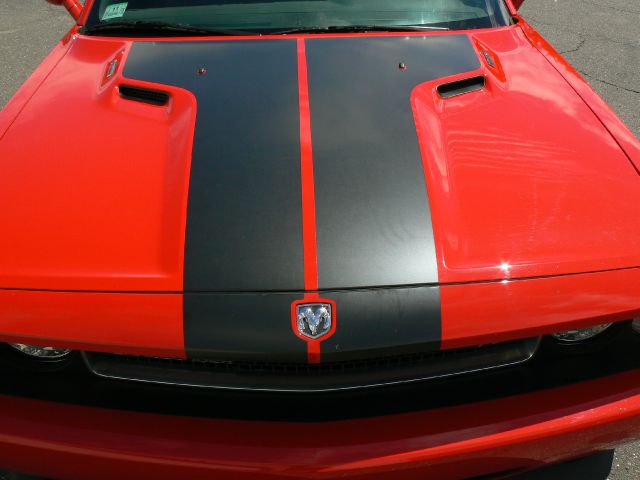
x,y
559,405
365,249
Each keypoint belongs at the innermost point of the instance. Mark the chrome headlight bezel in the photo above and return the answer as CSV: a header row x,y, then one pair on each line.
x,y
41,353
580,335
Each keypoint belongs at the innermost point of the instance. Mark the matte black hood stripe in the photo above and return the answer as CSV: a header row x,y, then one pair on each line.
x,y
373,216
254,222
244,220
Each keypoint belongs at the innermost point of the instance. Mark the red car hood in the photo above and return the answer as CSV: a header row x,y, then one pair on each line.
x,y
522,180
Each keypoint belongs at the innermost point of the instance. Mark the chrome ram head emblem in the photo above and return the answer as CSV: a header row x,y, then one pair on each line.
x,y
314,319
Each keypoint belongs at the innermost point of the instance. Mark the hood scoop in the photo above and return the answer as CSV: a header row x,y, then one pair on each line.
x,y
459,87
144,95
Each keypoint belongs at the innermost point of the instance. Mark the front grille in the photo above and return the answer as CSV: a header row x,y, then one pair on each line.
x,y
245,375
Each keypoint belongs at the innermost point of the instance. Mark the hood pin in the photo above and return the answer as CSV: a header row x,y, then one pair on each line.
x,y
201,71
402,66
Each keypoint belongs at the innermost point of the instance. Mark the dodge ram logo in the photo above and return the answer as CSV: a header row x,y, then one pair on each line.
x,y
314,319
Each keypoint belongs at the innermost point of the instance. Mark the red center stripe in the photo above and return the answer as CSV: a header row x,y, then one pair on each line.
x,y
308,197
308,190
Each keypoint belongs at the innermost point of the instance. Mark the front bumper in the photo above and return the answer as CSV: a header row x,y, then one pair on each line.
x,y
547,410
506,435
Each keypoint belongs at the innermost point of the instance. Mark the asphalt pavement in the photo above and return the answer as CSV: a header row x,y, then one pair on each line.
x,y
601,38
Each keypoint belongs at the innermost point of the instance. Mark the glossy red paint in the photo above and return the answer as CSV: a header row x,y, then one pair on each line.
x,y
307,178
73,7
308,212
518,432
490,312
77,214
85,12
519,173
511,7
139,324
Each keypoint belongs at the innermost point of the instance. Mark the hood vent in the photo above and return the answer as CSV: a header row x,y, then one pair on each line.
x,y
467,85
144,95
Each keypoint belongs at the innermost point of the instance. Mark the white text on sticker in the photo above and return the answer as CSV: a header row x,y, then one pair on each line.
x,y
114,11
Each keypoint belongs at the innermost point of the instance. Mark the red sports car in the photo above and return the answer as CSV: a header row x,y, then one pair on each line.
x,y
261,239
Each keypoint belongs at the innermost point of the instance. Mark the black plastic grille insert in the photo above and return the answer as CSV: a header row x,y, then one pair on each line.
x,y
267,376
144,95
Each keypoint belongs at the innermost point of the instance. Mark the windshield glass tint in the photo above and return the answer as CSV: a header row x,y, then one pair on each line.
x,y
270,16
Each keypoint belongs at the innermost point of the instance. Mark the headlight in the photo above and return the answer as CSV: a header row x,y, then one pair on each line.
x,y
45,353
581,334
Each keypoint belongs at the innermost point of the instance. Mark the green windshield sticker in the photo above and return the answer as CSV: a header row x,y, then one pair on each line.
x,y
115,11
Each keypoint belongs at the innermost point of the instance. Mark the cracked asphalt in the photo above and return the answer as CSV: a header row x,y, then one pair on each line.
x,y
601,38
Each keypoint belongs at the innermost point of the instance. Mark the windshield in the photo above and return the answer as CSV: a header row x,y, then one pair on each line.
x,y
280,16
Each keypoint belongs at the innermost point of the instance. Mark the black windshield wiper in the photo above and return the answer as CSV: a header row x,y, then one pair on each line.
x,y
359,28
140,28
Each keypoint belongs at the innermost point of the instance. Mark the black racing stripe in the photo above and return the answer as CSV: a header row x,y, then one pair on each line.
x,y
372,209
370,323
244,222
381,322
242,327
